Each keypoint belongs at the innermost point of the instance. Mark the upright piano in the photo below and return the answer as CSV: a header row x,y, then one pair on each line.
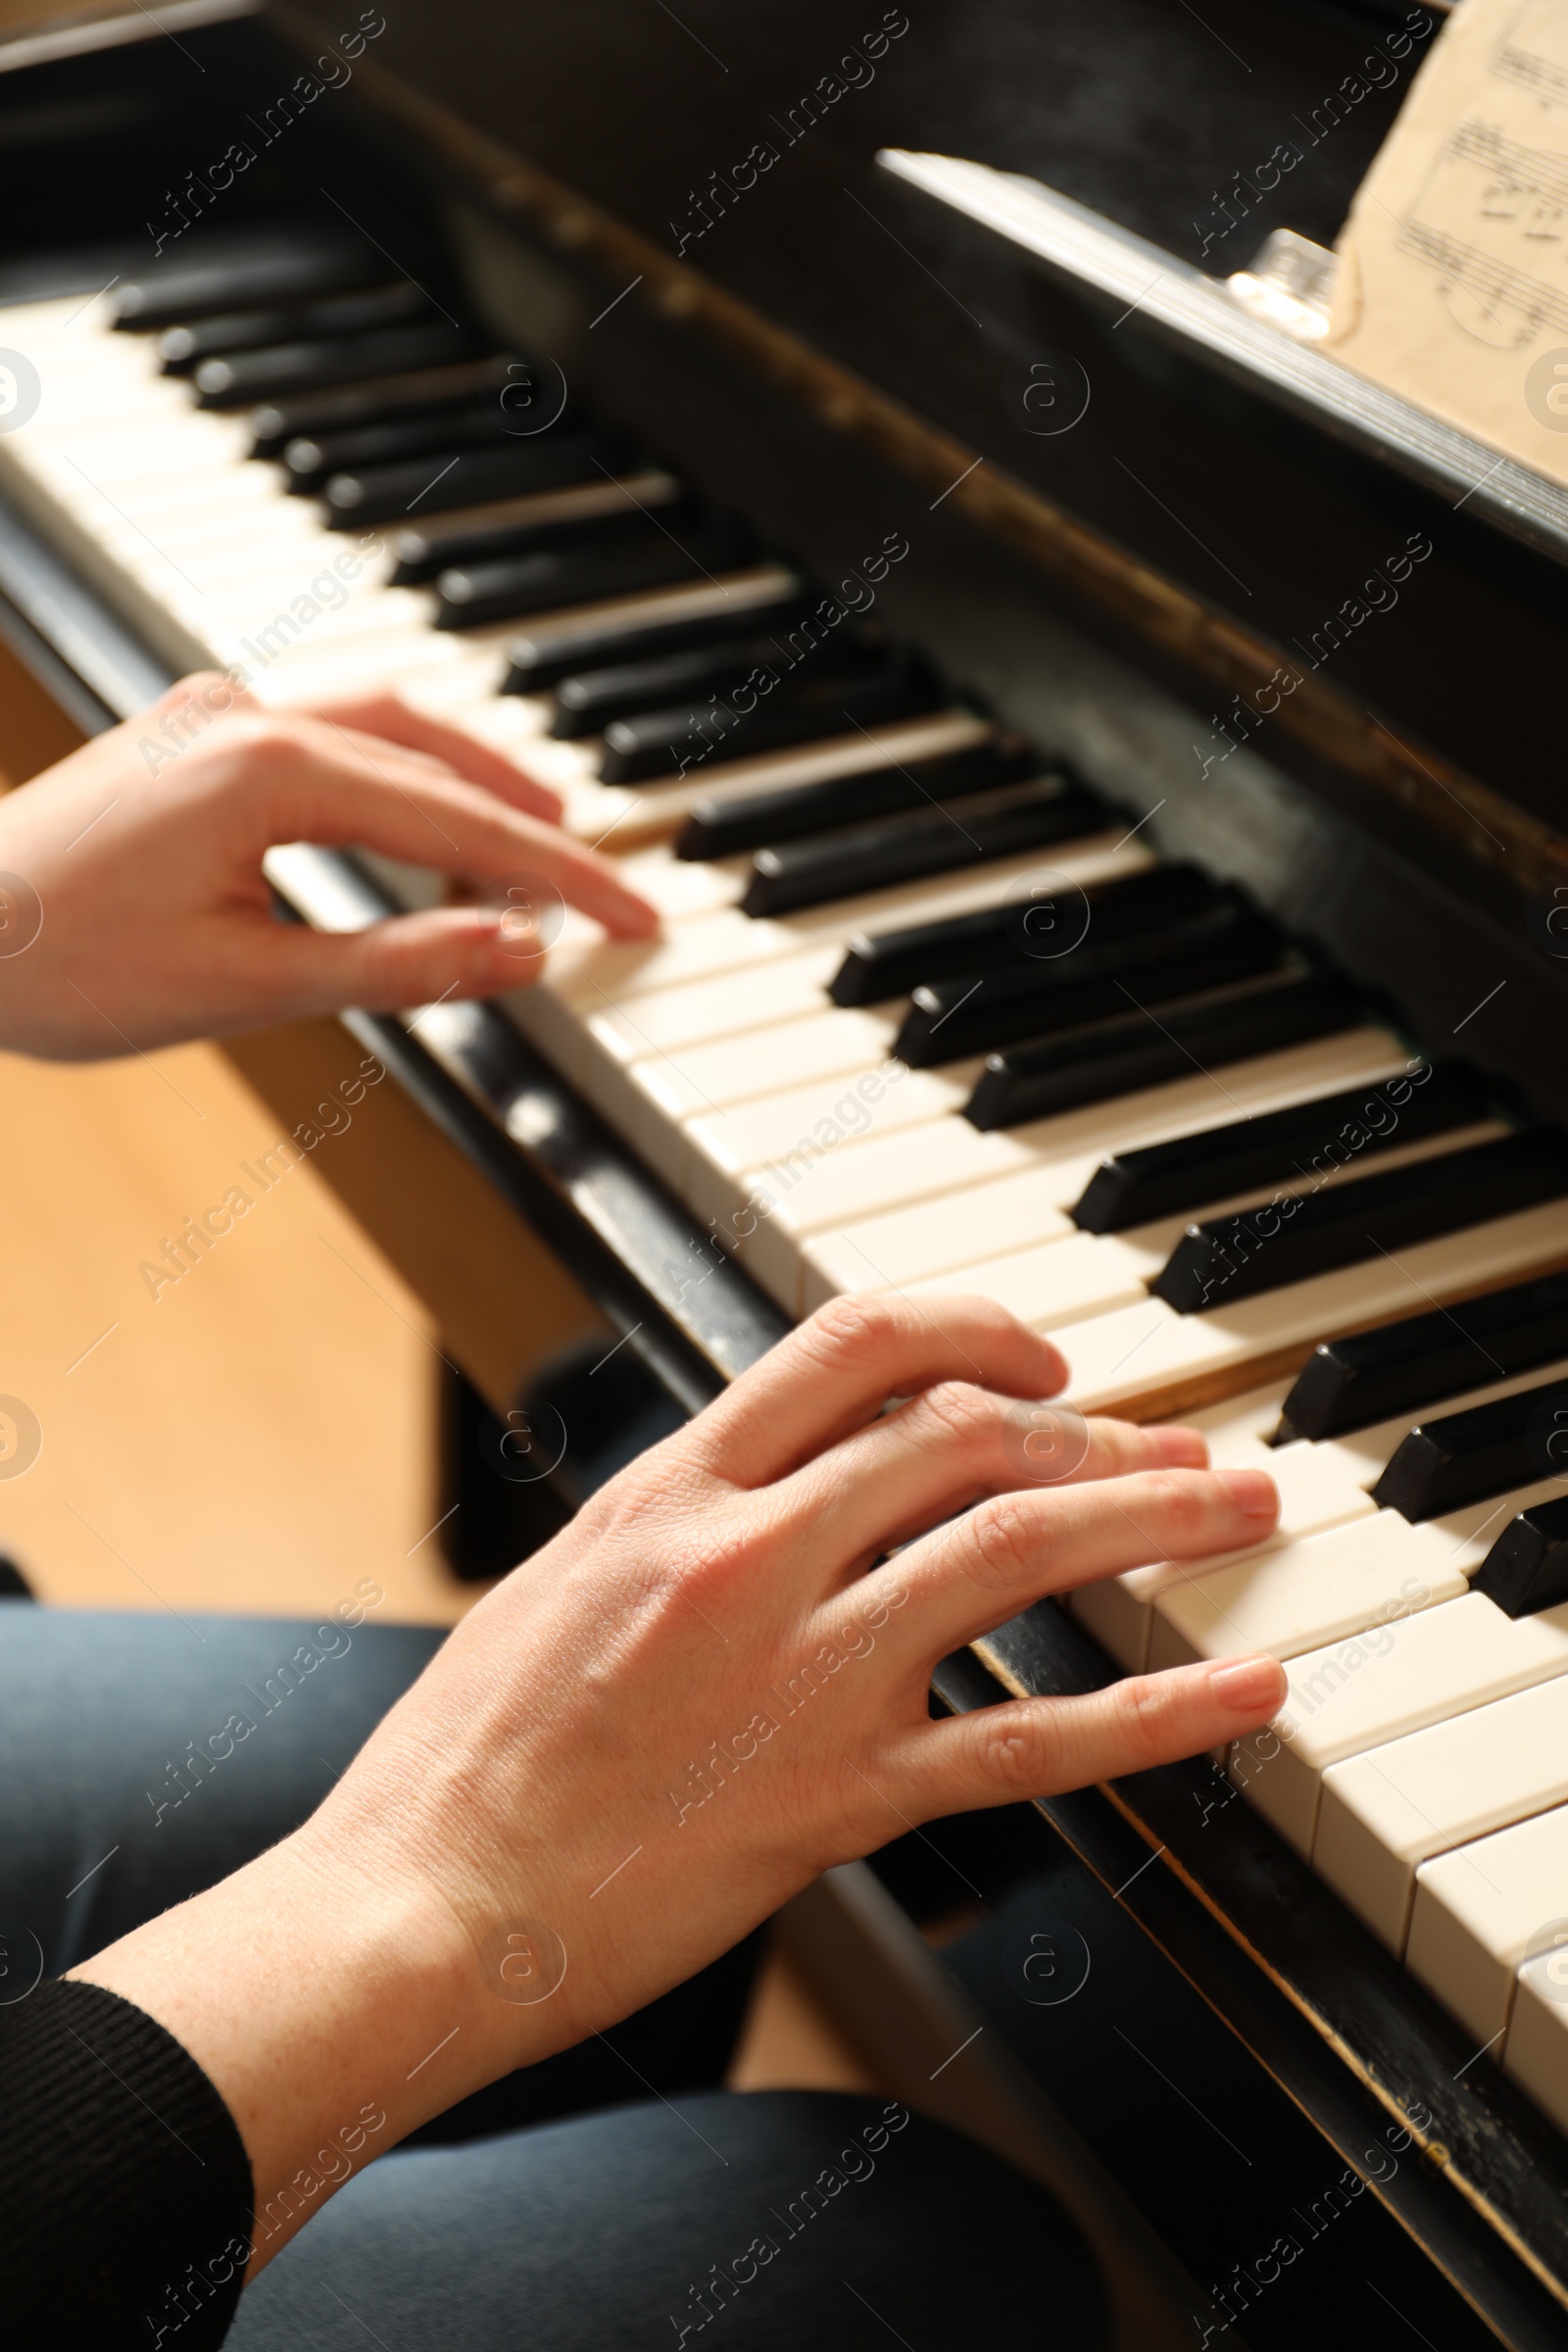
x,y
1097,763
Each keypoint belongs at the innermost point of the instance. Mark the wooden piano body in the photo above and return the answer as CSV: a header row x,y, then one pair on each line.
x,y
827,349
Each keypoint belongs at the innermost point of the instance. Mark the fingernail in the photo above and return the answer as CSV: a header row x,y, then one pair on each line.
x,y
1182,1449
1252,1492
1248,1686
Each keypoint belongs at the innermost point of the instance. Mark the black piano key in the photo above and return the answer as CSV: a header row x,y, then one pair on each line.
x,y
1349,1384
856,858
390,493
1527,1568
1136,1051
894,963
726,828
503,526
609,564
182,347
1229,1258
587,703
539,661
1132,1187
298,272
310,461
424,392
671,742
1469,1456
238,379
980,1013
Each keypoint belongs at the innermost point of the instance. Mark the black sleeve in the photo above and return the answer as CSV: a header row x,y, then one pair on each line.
x,y
126,2200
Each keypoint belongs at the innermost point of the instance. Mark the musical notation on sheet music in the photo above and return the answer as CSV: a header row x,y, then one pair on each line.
x,y
1492,222
1453,281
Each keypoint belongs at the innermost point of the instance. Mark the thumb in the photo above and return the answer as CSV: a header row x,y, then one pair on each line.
x,y
444,952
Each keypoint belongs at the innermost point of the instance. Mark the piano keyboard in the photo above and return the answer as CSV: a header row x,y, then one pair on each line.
x,y
928,1015
1416,1590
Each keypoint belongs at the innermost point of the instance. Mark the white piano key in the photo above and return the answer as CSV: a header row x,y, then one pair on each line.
x,y
848,1192
727,976
1354,1571
591,977
1321,1485
1057,1273
741,942
309,673
680,891
1118,1610
1170,1612
502,720
1064,1279
1152,1360
1054,1283
1383,1813
388,615
167,442
801,1129
655,810
221,494
684,1081
1381,1684
1238,1432
1062,1153
256,596
1363,1454
262,541
1536,2052
957,1229
1299,1597
1477,1913
81,395
739,1001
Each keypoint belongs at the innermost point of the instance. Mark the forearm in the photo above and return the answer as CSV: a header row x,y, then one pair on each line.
x,y
334,2007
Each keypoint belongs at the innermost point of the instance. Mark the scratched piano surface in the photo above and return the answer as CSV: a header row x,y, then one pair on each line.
x,y
1008,946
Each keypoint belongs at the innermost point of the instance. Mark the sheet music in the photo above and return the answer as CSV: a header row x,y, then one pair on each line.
x,y
1453,281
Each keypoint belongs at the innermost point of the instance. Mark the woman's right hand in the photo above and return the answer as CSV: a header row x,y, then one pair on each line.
x,y
709,1687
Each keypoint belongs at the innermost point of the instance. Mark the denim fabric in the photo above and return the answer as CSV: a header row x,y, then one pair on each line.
x,y
774,2222
145,1756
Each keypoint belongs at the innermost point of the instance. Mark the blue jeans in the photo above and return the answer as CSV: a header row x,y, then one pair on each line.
x,y
562,2210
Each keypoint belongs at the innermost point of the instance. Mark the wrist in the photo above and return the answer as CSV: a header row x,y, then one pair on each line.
x,y
336,2004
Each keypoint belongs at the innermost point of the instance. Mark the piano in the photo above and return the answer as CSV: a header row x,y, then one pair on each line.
x,y
1096,766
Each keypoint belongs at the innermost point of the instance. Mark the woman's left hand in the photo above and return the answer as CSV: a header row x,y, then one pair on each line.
x,y
134,910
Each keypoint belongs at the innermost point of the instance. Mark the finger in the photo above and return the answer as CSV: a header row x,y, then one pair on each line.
x,y
445,954
1184,1448
1045,1746
947,1449
184,710
1010,1551
385,715
838,1368
1040,1746
325,790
